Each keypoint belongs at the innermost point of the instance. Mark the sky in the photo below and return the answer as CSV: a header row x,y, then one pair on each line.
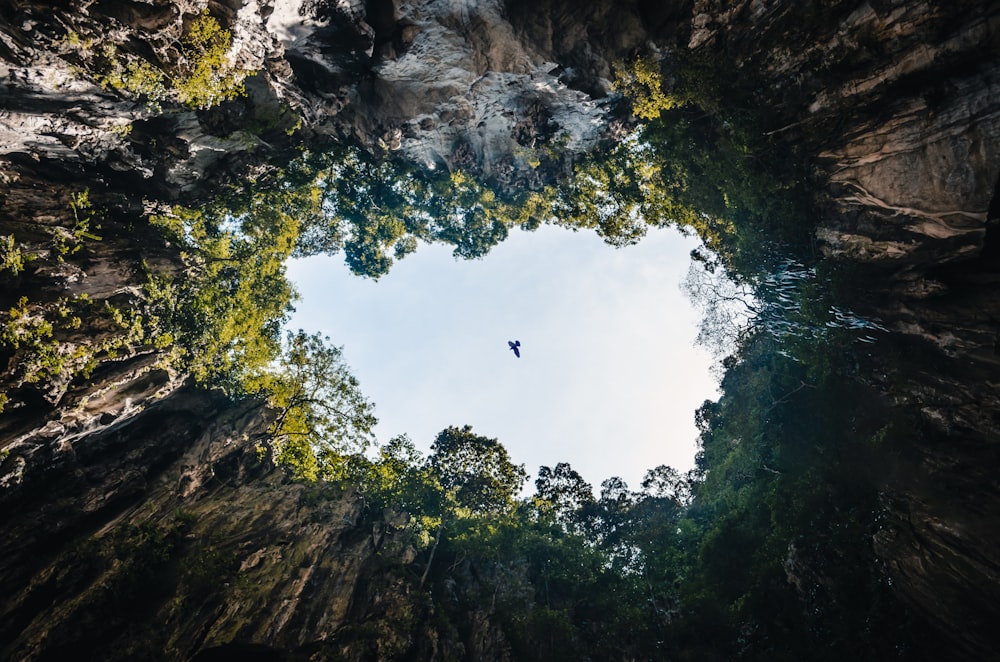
x,y
608,378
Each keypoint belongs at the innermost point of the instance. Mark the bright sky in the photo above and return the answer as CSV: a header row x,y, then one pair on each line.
x,y
608,378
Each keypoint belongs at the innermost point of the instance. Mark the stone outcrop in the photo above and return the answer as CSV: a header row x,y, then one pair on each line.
x,y
903,112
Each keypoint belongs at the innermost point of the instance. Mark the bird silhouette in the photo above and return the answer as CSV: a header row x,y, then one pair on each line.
x,y
514,344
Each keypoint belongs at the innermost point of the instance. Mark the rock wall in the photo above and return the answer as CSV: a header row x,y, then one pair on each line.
x,y
163,534
897,102
442,84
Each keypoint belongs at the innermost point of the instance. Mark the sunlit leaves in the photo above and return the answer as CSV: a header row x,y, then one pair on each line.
x,y
201,77
227,310
378,211
399,478
206,77
321,409
642,82
616,192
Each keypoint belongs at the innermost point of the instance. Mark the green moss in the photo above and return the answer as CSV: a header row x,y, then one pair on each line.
x,y
208,571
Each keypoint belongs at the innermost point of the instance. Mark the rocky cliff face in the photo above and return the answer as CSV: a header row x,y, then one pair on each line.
x,y
444,84
901,111
896,103
165,534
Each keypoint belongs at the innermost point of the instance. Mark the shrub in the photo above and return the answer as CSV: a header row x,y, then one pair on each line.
x,y
202,78
206,77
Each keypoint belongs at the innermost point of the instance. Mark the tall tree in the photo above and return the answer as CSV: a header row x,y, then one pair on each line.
x,y
322,413
475,474
564,495
475,471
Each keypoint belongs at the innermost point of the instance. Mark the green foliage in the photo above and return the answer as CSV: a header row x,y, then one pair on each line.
x,y
68,241
205,76
687,171
763,551
475,471
58,340
134,76
400,479
322,414
787,490
76,42
378,211
620,191
225,313
49,348
202,77
690,170
225,316
641,81
64,240
701,161
22,329
561,494
12,256
32,329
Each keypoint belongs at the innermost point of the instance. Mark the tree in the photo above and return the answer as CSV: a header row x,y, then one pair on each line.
x,y
727,307
322,413
201,77
790,303
399,478
475,471
476,476
642,83
378,210
563,494
664,482
620,191
227,308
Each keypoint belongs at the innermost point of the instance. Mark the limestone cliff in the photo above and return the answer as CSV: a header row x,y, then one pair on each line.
x,y
445,84
895,104
898,105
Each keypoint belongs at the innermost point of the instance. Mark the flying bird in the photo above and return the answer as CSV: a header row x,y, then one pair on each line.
x,y
514,344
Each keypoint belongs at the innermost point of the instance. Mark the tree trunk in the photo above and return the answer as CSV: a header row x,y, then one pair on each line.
x,y
437,540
